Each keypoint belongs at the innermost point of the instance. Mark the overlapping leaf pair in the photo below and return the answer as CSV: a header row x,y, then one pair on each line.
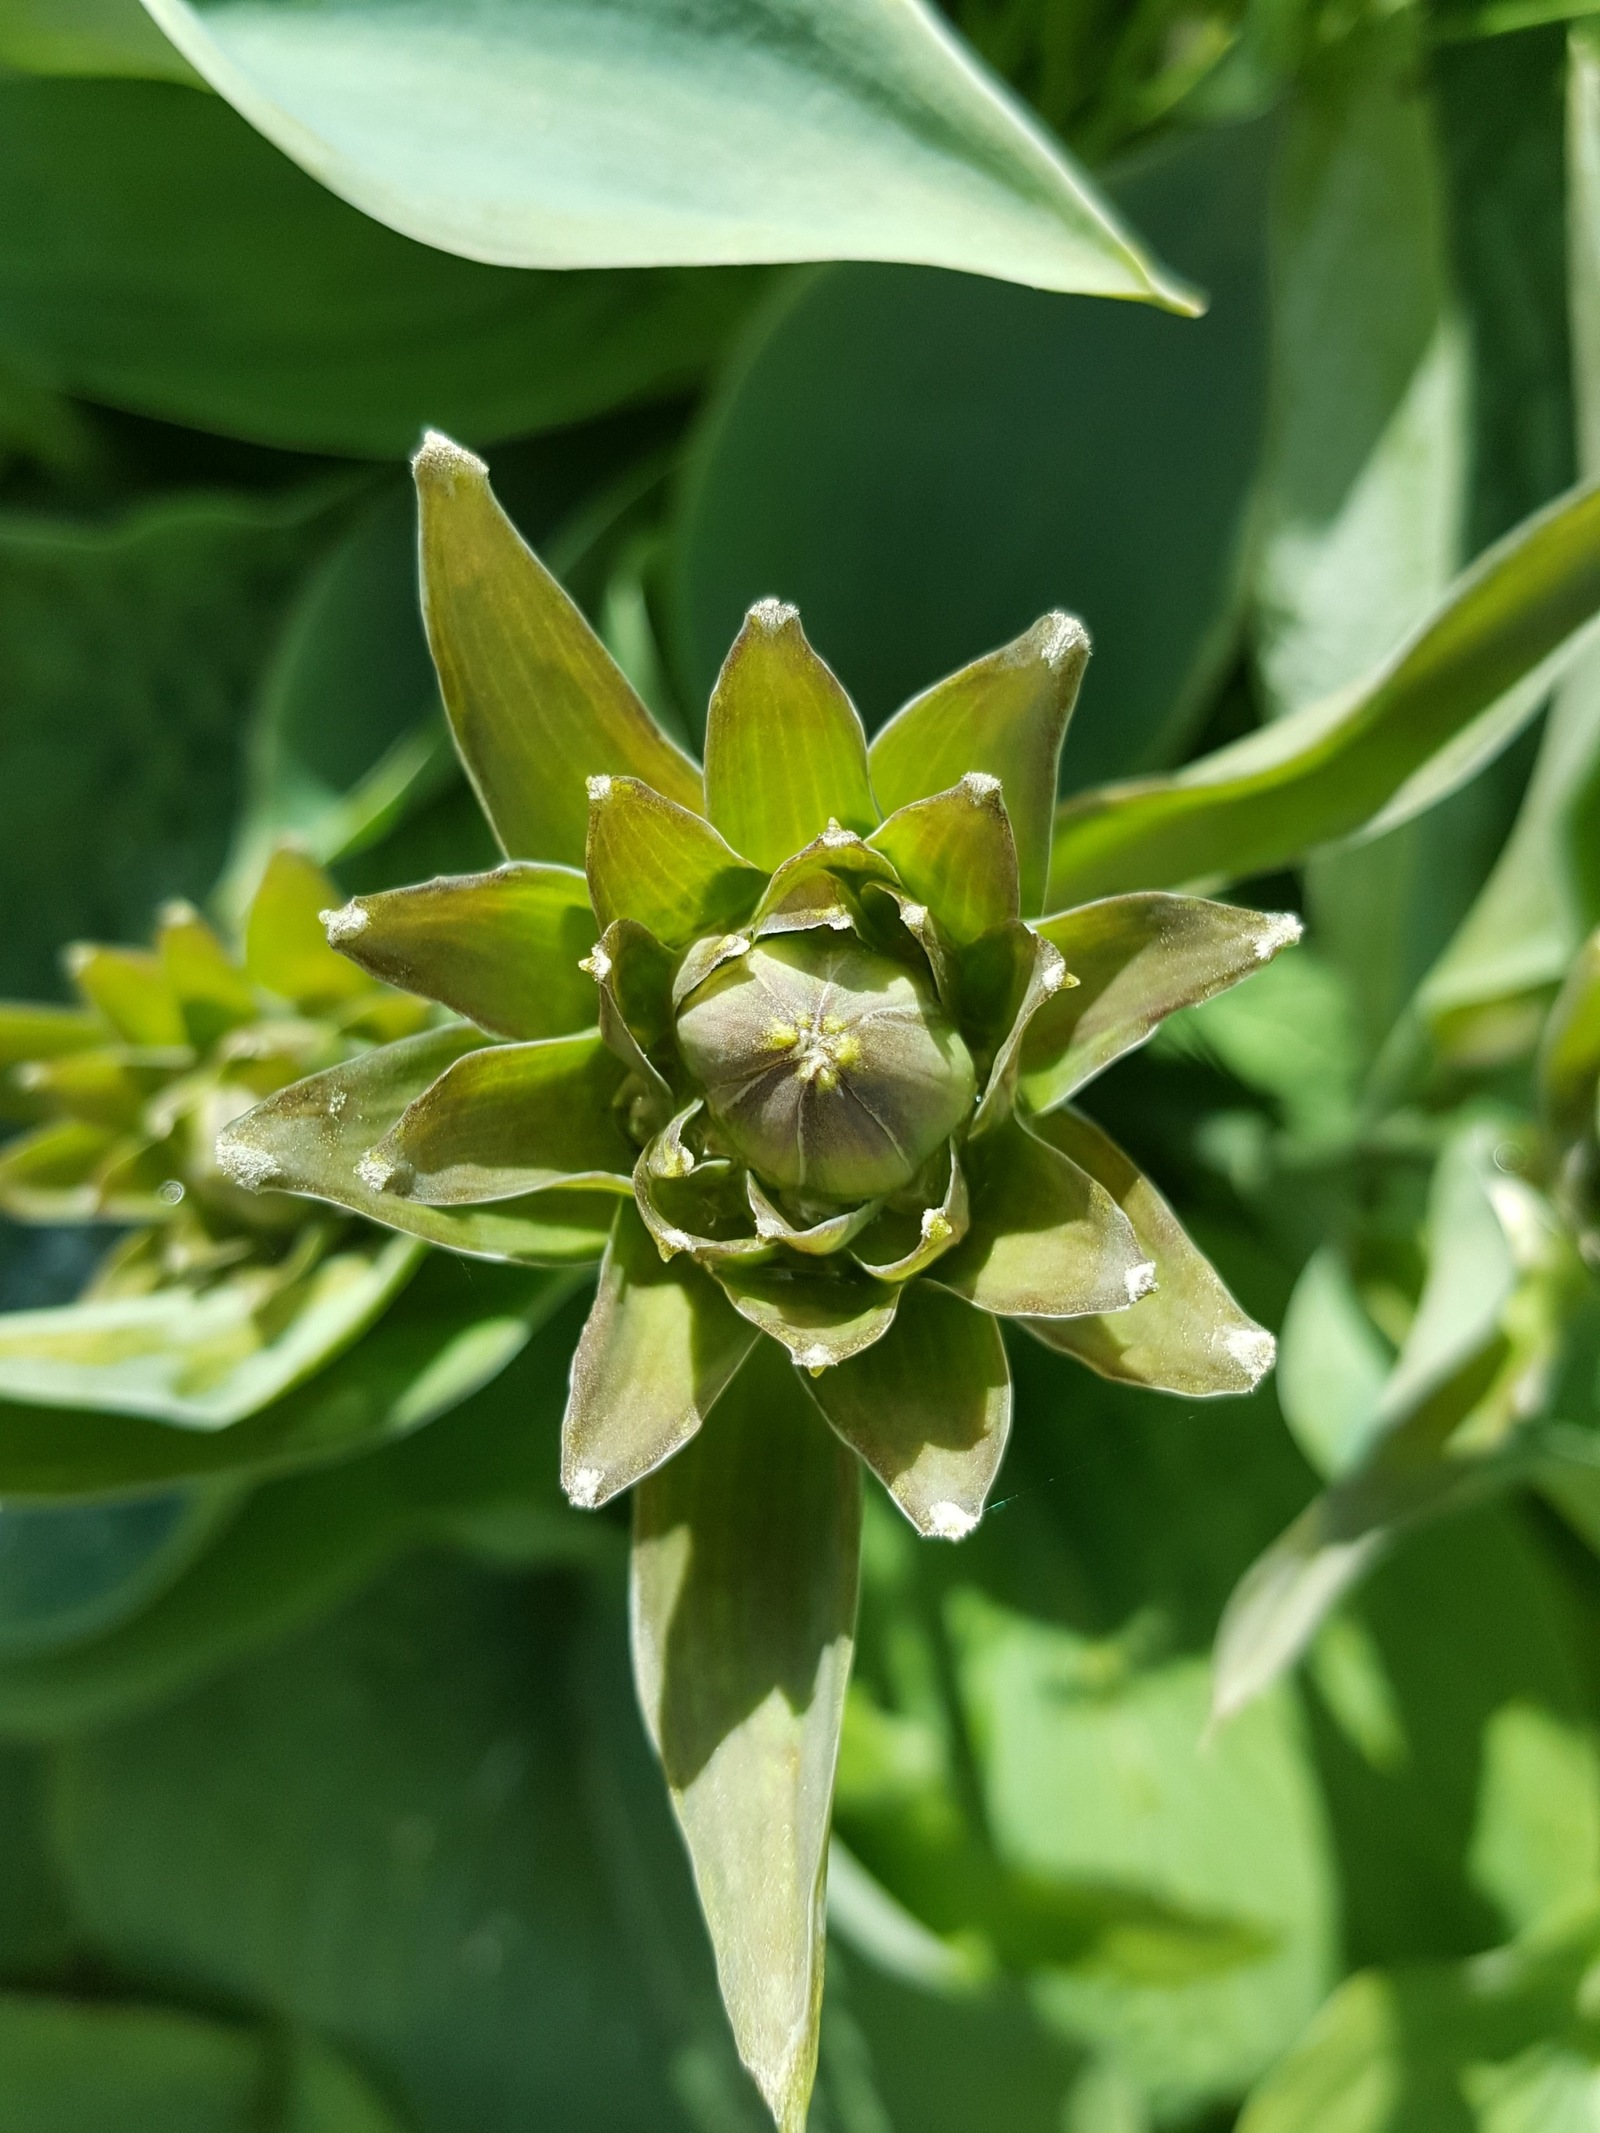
x,y
787,1050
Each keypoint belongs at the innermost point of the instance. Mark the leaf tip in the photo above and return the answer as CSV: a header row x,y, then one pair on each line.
x,y
1282,930
376,1171
242,1163
950,1521
599,789
1140,1280
439,462
345,923
1061,640
772,615
982,789
583,1487
1253,1349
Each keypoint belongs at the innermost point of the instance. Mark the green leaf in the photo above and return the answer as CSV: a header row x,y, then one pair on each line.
x,y
89,37
460,1327
501,948
658,1350
657,132
536,702
285,944
71,1572
1569,1052
663,865
51,1174
31,1030
1011,977
928,1408
901,1243
202,1358
73,2067
746,1549
212,992
923,463
955,853
817,1240
1187,1335
270,310
821,1314
1045,1241
311,1138
1137,959
130,989
1332,1363
1004,717
1371,756
506,1121
785,753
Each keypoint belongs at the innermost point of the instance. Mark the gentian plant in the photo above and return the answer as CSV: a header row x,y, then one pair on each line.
x,y
785,1043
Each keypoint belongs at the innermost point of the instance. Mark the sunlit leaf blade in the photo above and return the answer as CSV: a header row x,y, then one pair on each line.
x,y
746,1552
1004,716
821,1316
312,1137
1016,971
816,1240
928,1408
1569,1053
129,988
785,750
955,853
658,1349
1137,959
201,1359
902,1243
30,1030
536,702
284,947
501,948
103,1088
1187,1335
1394,743
662,865
809,888
95,38
213,993
508,1120
1045,1240
533,138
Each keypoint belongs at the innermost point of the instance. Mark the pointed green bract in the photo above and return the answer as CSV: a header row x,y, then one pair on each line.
x,y
745,1566
502,948
814,1239
1037,974
311,1138
809,889
821,1317
1137,959
955,853
1045,1240
662,865
902,1243
213,994
49,1175
1187,1335
785,750
130,989
928,1408
30,1030
536,702
657,1350
285,949
1004,716
508,1120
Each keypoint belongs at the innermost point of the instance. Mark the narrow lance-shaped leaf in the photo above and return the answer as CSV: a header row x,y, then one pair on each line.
x,y
536,702
1375,754
633,137
213,993
130,989
662,865
658,1349
821,1314
785,751
501,948
745,1565
928,1408
284,947
955,853
1187,1335
1569,1055
1005,716
1137,959
508,1120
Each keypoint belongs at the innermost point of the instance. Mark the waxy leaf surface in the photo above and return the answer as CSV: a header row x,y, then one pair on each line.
x,y
662,865
955,853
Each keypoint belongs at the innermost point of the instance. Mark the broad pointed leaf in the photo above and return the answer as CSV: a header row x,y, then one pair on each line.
x,y
928,1408
1045,1240
501,948
1137,959
1187,1335
662,865
129,987
955,853
536,702
745,1564
202,1359
901,1243
509,1120
285,946
700,1209
1012,976
633,975
1373,755
817,1240
785,750
311,1138
50,1174
810,889
658,1349
821,1314
103,1088
530,137
213,993
1006,716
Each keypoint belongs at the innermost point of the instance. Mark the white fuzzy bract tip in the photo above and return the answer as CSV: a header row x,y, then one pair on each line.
x,y
442,458
599,788
1253,1349
949,1522
244,1165
584,1487
915,915
673,1240
1140,1279
772,614
835,836
1282,930
375,1170
1053,974
597,963
978,785
1059,635
816,1359
177,911
735,944
345,923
